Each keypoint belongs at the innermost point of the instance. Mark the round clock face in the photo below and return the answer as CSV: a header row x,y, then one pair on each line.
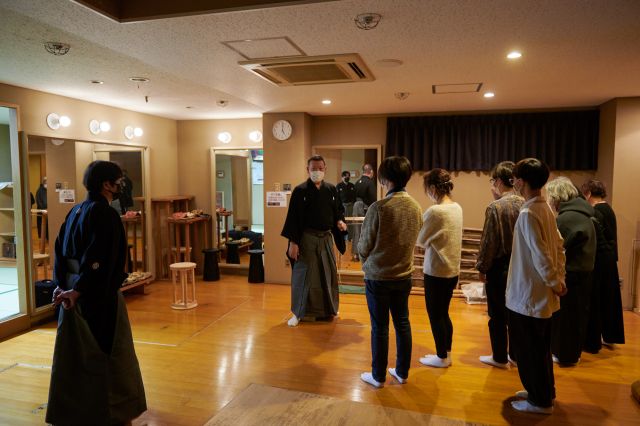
x,y
282,130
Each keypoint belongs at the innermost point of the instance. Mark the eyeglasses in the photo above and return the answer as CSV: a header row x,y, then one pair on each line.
x,y
492,181
512,181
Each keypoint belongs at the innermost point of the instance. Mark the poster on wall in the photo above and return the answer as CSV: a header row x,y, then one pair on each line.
x,y
276,199
67,196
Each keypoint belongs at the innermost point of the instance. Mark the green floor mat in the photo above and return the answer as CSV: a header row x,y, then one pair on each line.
x,y
351,289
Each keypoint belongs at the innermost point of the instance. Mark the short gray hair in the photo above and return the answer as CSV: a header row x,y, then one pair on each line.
x,y
561,189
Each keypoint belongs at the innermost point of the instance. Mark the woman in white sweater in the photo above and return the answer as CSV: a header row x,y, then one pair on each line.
x,y
441,236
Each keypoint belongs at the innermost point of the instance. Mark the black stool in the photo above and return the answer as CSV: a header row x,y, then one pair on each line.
x,y
232,252
256,268
211,270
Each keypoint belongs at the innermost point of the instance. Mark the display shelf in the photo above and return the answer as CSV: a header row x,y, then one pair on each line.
x,y
138,285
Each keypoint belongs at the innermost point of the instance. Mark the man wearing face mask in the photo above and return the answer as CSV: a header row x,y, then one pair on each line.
x,y
347,192
493,258
314,220
95,377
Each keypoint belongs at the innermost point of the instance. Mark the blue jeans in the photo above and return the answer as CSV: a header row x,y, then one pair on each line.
x,y
382,297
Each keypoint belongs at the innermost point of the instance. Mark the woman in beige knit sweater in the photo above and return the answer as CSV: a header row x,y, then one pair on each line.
x,y
387,262
441,236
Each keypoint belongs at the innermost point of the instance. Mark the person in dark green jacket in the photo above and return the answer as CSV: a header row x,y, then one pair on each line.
x,y
569,324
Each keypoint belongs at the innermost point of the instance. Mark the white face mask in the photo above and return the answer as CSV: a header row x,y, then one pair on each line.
x,y
316,176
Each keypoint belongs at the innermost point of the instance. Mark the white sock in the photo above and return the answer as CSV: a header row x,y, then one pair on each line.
x,y
368,378
400,380
435,361
293,321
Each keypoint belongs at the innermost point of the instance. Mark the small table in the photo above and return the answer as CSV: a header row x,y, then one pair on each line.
x,y
180,245
162,207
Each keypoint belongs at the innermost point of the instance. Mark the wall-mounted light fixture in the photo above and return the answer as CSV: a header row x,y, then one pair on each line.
x,y
224,137
130,132
96,127
55,121
255,136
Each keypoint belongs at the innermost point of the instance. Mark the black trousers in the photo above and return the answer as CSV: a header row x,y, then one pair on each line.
x,y
382,297
532,338
593,337
437,295
495,288
569,324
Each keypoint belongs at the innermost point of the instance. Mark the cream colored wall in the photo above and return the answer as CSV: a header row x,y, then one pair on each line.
x,y
84,156
160,134
61,168
195,140
284,162
624,199
606,145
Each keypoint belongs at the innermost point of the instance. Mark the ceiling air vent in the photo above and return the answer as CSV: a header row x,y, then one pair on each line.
x,y
299,71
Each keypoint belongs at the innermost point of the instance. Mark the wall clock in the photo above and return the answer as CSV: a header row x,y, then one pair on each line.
x,y
282,130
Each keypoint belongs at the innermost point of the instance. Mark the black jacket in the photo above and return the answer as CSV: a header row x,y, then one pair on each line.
x,y
579,234
296,221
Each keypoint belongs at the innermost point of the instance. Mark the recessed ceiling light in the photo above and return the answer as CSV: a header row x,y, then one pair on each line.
x,y
189,107
326,101
514,55
489,95
97,82
139,79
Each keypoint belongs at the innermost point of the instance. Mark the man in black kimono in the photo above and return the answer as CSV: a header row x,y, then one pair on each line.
x,y
347,192
95,377
314,220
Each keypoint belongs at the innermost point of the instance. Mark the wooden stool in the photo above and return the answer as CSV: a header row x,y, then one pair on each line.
x,y
183,274
43,260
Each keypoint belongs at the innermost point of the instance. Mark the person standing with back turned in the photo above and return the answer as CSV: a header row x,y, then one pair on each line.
x,y
388,266
493,259
535,280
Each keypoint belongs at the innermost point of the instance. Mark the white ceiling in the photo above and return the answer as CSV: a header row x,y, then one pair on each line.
x,y
575,53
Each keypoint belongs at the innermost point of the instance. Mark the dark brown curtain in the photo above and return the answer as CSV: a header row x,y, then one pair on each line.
x,y
565,140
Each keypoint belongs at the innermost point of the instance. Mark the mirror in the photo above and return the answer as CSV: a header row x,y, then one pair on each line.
x,y
238,203
350,159
56,169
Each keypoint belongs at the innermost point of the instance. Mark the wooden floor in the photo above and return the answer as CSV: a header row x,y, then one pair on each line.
x,y
195,362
